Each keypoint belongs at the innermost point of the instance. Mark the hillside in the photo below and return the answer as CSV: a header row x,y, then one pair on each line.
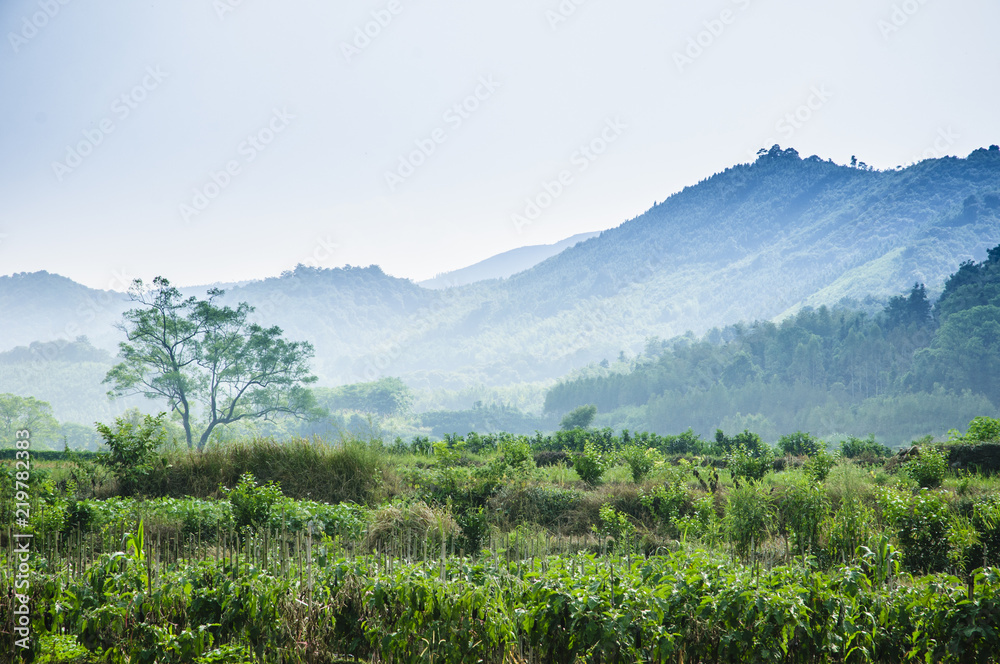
x,y
758,241
504,265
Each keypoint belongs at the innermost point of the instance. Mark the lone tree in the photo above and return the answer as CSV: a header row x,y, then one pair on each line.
x,y
211,365
578,418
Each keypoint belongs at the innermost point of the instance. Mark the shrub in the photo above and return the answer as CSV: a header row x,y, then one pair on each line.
x,y
252,504
590,464
819,466
750,441
804,509
749,517
928,467
744,464
854,448
800,444
616,525
640,461
921,522
849,528
515,454
983,429
132,450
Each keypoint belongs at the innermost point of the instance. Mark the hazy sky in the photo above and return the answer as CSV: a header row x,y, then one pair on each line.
x,y
414,133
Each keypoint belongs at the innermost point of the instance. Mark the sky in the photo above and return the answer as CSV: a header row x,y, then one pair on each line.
x,y
227,140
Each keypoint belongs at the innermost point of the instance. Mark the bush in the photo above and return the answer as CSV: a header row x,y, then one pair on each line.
x,y
515,454
749,518
743,464
132,450
800,444
848,528
590,464
921,522
804,509
640,461
252,504
750,441
983,429
853,448
928,467
819,466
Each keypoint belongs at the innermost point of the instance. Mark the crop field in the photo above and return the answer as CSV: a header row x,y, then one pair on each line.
x,y
583,546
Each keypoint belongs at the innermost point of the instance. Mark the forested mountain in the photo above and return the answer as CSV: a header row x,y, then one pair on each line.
x,y
907,371
756,242
504,265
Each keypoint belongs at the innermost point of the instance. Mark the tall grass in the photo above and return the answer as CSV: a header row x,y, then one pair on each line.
x,y
350,470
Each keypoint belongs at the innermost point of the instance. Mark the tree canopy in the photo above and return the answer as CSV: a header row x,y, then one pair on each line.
x,y
210,363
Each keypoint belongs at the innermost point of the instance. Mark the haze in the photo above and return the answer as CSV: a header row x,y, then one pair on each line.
x,y
166,96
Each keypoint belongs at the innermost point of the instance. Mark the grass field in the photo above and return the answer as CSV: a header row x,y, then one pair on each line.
x,y
504,549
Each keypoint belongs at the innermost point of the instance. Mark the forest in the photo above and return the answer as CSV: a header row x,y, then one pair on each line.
x,y
901,372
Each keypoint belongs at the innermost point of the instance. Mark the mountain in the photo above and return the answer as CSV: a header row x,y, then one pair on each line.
x,y
756,241
504,265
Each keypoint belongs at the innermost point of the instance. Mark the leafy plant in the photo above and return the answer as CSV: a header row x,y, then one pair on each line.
x,y
804,509
749,517
590,464
640,461
800,444
744,463
617,526
819,466
928,467
132,449
252,504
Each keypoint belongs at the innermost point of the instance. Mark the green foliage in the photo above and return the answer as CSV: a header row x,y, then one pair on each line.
x,y
804,510
750,443
800,444
616,526
640,461
590,464
578,418
744,463
515,454
983,429
132,450
26,413
669,500
922,523
854,448
819,466
252,503
199,356
928,468
385,397
749,518
850,527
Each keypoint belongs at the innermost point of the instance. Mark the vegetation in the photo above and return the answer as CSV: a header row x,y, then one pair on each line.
x,y
468,550
208,361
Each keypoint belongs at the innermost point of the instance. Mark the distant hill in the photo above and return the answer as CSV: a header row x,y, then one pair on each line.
x,y
757,241
504,265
